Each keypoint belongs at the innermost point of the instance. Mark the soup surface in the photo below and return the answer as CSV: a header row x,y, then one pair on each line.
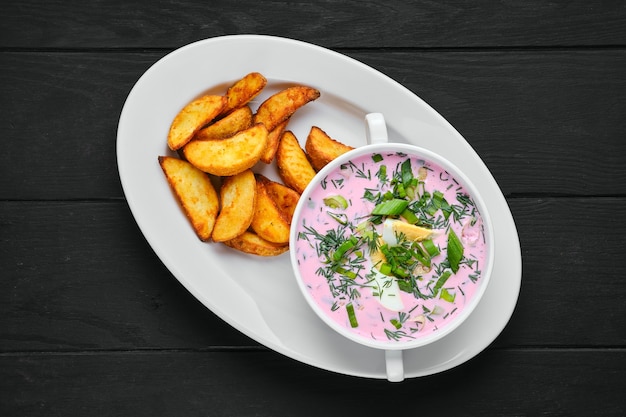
x,y
390,246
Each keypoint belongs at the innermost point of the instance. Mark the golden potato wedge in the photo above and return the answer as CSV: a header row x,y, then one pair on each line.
x,y
250,242
243,91
285,198
237,204
321,148
293,166
273,138
269,222
195,193
236,121
192,117
230,156
280,106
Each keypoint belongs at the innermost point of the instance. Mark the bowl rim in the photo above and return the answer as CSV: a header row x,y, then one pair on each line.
x,y
472,189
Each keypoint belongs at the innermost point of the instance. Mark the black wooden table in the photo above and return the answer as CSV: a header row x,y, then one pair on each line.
x,y
92,323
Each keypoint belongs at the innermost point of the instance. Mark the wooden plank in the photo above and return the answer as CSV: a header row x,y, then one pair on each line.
x,y
61,112
543,121
508,105
559,382
397,23
79,276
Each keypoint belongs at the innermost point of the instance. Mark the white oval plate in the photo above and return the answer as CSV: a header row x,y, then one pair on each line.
x,y
259,296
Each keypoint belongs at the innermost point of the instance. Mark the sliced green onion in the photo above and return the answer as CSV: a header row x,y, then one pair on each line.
x,y
405,285
351,315
392,207
423,258
407,172
447,295
395,323
382,173
336,201
344,247
455,251
341,218
437,311
399,272
400,191
430,247
410,192
409,216
441,281
345,272
377,157
437,198
385,268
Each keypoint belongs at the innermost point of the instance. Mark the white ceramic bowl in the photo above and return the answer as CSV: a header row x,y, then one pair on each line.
x,y
416,317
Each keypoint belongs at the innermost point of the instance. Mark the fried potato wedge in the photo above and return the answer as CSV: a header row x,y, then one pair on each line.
x,y
195,193
322,149
269,222
193,117
237,204
294,167
252,243
236,121
280,106
230,156
285,198
273,138
243,91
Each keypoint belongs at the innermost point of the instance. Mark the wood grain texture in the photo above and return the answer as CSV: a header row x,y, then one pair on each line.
x,y
564,108
364,24
263,383
79,276
92,323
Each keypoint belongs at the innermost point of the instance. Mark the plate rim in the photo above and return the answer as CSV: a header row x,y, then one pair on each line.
x,y
513,243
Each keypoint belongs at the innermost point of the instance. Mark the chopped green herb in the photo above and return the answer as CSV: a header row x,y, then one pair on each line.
x,y
441,281
392,207
336,201
455,251
409,216
430,247
345,247
382,174
341,218
447,295
351,315
407,173
385,268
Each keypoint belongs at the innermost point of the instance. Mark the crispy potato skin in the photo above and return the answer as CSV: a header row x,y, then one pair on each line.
x,y
228,156
238,203
294,167
236,121
282,105
321,148
250,242
192,117
285,198
273,138
195,193
269,222
243,91
222,136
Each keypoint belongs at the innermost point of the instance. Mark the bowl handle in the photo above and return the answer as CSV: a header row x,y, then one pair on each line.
x,y
376,128
395,365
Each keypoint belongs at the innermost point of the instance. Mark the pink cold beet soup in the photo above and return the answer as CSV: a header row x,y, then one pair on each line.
x,y
391,247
